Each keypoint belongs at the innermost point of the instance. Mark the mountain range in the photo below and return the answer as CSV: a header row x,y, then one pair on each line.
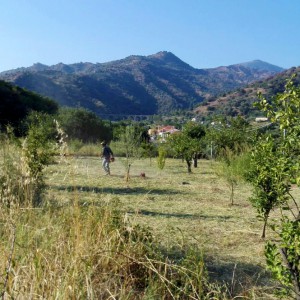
x,y
145,85
240,101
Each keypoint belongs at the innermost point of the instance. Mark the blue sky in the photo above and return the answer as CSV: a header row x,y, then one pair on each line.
x,y
203,33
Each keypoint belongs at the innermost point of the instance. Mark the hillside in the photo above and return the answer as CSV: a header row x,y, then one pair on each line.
x,y
154,84
16,103
240,101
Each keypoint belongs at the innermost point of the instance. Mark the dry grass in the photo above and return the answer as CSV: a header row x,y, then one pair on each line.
x,y
181,209
87,243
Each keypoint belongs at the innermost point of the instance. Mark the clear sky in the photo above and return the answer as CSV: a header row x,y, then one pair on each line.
x,y
202,33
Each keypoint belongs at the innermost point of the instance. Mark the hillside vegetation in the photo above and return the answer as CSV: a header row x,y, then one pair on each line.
x,y
16,103
154,84
240,101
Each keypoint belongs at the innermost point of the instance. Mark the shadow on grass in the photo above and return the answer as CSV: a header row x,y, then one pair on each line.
x,y
115,190
238,276
174,215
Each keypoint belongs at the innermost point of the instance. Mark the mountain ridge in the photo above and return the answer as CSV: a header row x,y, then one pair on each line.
x,y
161,56
240,101
153,84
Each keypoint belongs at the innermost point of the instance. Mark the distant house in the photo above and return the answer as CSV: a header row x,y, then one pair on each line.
x,y
165,131
162,132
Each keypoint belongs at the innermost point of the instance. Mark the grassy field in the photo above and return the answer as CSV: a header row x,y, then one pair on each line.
x,y
181,209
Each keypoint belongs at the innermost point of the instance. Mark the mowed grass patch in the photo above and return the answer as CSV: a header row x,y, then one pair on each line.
x,y
182,209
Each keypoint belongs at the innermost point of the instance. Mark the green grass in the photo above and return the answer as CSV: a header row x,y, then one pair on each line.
x,y
181,209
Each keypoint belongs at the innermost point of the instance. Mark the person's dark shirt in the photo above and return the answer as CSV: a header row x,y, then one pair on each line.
x,y
106,152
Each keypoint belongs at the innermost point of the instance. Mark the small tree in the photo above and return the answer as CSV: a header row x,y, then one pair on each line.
x,y
38,149
183,146
197,133
131,142
275,166
22,177
230,133
232,169
270,178
161,159
188,143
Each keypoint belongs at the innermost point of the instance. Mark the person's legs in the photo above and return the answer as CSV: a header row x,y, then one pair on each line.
x,y
105,165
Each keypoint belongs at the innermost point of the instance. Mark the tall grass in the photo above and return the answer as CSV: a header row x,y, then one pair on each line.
x,y
92,252
72,250
84,252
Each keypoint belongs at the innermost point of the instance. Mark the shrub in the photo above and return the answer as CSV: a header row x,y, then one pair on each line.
x,y
161,159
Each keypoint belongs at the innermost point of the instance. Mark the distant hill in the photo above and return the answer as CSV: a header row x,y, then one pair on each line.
x,y
240,101
154,84
262,66
16,103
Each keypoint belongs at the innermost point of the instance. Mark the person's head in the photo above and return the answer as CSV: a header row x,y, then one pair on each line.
x,y
103,143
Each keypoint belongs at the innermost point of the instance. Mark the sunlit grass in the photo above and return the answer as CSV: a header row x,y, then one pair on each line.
x,y
90,239
181,208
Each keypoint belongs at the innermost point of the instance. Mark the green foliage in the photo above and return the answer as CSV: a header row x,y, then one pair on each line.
x,y
232,168
84,125
140,131
231,133
275,164
283,258
188,143
161,159
38,149
194,130
182,146
21,175
17,103
270,176
130,142
149,150
284,109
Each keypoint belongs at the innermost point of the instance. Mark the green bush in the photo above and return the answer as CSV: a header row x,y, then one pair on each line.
x,y
84,125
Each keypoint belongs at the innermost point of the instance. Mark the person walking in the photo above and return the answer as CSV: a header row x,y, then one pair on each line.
x,y
107,156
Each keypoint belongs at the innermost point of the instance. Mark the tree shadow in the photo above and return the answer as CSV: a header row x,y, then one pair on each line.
x,y
115,190
178,215
238,276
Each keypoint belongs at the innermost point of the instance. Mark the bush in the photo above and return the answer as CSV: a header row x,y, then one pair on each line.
x,y
81,124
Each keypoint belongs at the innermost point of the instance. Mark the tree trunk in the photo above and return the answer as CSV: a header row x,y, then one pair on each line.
x,y
195,160
189,165
127,176
232,193
263,235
